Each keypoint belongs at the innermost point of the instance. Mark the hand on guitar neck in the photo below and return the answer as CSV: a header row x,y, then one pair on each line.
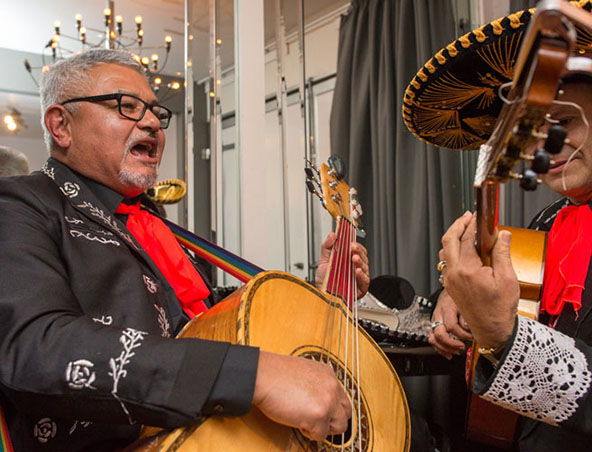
x,y
359,257
487,297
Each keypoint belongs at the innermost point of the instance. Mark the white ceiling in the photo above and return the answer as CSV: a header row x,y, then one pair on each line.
x,y
27,26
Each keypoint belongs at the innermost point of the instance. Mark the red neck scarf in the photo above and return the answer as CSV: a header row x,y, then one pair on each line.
x,y
568,257
166,253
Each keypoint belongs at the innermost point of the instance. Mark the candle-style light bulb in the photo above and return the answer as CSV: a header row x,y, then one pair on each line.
x,y
107,13
119,24
168,39
78,19
56,25
138,21
83,34
145,61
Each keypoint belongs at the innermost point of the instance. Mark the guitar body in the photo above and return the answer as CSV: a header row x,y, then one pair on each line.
x,y
280,313
488,423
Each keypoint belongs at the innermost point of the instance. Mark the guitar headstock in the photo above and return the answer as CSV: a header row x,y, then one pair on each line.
x,y
543,61
335,194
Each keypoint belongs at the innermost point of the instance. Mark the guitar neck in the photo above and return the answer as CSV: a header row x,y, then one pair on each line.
x,y
486,198
340,279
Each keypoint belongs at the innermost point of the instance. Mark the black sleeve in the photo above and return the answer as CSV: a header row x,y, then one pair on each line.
x,y
55,360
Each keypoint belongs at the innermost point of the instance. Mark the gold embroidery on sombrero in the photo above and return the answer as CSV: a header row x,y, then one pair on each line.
x,y
455,139
496,25
583,42
430,120
501,55
482,125
452,50
450,92
464,40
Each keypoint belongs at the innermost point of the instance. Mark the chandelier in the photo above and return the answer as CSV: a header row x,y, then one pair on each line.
x,y
113,36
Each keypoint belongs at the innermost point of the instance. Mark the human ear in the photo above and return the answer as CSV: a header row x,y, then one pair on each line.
x,y
58,124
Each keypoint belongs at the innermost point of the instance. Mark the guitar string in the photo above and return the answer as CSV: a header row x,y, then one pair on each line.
x,y
327,343
346,348
336,290
357,336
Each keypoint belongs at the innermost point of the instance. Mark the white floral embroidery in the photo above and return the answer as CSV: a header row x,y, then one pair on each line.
x,y
130,339
79,374
49,172
543,375
105,320
163,321
73,220
150,285
93,238
83,424
96,212
45,429
70,189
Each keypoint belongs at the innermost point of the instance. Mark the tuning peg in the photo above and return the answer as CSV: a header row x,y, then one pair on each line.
x,y
311,186
555,139
528,180
337,165
541,161
310,174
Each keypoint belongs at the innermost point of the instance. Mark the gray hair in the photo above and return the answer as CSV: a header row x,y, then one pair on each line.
x,y
12,162
70,78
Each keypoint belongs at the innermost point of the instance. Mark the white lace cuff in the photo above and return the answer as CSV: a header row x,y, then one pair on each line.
x,y
542,376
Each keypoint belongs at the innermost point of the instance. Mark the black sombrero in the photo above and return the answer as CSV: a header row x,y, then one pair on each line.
x,y
453,101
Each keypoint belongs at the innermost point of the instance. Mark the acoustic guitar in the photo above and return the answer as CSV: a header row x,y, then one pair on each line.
x,y
543,60
280,313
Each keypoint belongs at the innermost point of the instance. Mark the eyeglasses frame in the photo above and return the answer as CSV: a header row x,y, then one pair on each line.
x,y
118,96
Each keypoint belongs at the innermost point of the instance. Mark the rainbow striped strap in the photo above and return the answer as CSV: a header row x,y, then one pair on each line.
x,y
5,443
231,263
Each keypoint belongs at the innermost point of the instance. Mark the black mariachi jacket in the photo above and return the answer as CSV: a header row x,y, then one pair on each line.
x,y
87,320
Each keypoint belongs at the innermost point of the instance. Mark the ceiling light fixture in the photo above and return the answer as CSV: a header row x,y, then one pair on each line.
x,y
112,37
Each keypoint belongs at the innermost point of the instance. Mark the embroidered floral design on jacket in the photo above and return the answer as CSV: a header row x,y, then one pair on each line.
x,y
105,320
83,424
93,238
73,220
163,321
49,172
70,189
45,429
98,213
150,285
79,374
130,339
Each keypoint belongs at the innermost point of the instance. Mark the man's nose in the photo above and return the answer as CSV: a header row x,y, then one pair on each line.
x,y
149,121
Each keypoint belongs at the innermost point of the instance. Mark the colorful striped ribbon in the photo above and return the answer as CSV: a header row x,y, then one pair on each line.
x,y
225,260
5,443
231,263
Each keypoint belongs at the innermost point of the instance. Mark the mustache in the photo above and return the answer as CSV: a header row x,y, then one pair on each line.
x,y
136,139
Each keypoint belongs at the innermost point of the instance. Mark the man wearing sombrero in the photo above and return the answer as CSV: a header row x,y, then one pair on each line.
x,y
542,370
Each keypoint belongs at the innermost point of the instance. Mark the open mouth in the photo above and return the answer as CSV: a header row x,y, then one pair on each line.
x,y
144,149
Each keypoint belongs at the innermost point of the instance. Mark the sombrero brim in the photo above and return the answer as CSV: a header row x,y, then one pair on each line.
x,y
453,100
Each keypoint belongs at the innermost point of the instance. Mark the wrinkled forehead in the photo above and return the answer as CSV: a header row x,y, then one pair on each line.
x,y
115,78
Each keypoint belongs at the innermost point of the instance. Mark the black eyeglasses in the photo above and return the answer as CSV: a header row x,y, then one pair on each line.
x,y
130,107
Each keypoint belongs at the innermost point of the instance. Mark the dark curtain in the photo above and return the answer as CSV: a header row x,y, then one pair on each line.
x,y
410,191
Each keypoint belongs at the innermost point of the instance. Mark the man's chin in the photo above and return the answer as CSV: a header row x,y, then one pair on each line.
x,y
138,180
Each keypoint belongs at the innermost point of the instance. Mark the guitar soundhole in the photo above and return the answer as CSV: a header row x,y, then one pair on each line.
x,y
358,436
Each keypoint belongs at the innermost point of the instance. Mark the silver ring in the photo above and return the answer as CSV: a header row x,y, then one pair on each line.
x,y
441,265
436,324
441,279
